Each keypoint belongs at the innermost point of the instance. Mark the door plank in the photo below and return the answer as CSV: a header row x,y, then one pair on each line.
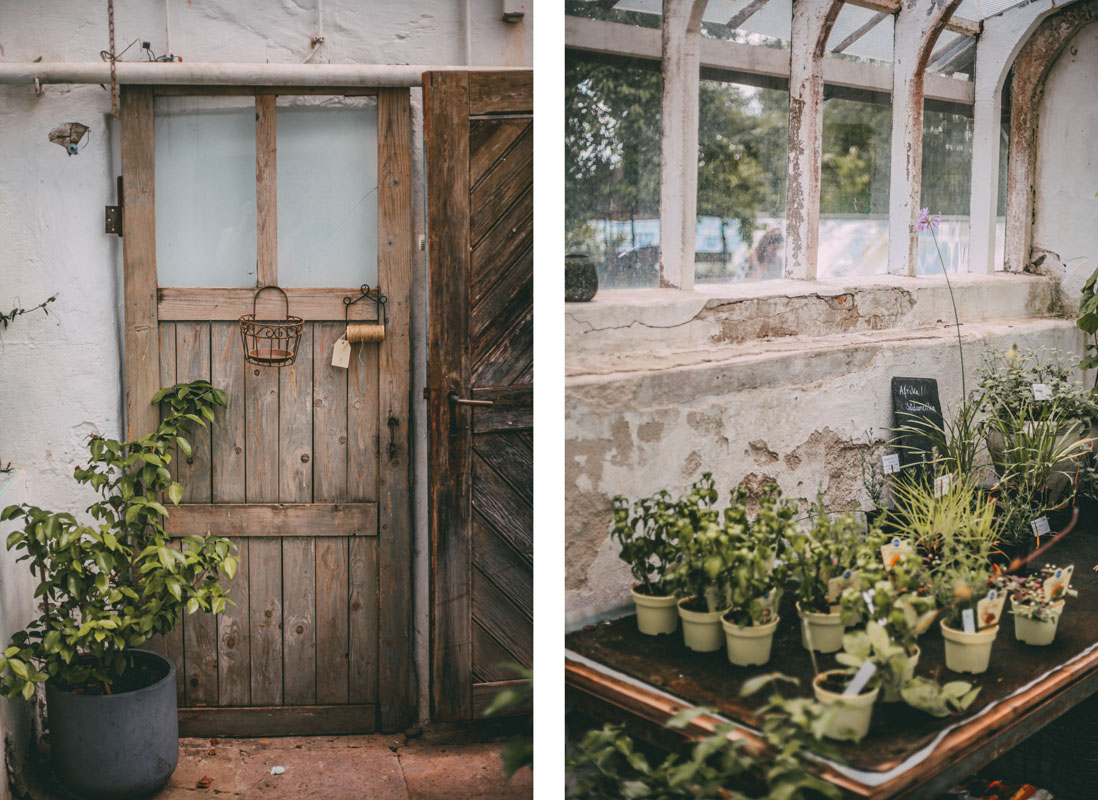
x,y
501,92
172,642
501,186
396,635
266,190
137,138
276,520
265,553
362,622
299,640
227,455
329,416
295,425
490,141
501,618
448,371
331,620
490,659
502,508
285,721
362,423
510,571
508,355
508,239
511,457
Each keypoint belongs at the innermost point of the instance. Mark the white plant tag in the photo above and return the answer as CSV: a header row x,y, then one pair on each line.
x,y
990,608
860,679
894,551
341,352
968,621
836,586
890,463
1041,391
1039,526
867,595
942,484
1061,579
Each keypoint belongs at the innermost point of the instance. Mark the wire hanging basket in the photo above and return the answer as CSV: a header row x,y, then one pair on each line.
x,y
270,342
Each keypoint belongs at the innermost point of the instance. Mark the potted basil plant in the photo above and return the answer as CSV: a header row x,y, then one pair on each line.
x,y
754,574
648,541
107,586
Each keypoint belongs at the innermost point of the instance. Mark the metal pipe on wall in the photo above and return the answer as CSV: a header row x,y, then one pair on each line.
x,y
224,73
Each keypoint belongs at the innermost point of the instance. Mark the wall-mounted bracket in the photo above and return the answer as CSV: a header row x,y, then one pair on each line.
x,y
112,221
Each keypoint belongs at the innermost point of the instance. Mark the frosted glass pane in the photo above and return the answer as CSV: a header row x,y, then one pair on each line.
x,y
205,191
327,195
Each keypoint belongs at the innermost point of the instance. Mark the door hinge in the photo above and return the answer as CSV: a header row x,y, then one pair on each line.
x,y
113,215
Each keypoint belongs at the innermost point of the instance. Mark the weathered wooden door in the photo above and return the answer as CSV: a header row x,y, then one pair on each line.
x,y
307,469
479,144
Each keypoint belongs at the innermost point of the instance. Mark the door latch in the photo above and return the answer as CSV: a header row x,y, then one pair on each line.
x,y
113,214
465,401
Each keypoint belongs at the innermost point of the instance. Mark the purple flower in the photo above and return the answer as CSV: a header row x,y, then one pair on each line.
x,y
925,222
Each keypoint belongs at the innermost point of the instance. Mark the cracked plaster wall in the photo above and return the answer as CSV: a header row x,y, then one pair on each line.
x,y
801,417
1065,202
60,375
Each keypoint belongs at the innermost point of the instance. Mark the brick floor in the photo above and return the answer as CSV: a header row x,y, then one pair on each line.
x,y
441,765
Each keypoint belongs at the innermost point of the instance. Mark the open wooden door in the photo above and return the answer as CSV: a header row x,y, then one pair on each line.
x,y
307,469
479,144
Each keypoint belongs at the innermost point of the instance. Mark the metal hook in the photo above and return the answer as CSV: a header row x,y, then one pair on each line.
x,y
366,293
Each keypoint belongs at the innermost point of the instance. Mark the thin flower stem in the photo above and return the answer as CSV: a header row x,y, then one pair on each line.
x,y
956,316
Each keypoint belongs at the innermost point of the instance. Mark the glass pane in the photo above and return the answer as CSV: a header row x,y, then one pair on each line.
x,y
854,188
612,167
862,35
1000,206
205,191
327,191
946,188
742,144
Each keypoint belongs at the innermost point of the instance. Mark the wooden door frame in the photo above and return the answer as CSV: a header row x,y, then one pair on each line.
x,y
143,303
451,99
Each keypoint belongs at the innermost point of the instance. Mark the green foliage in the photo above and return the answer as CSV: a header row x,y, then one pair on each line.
x,y
648,539
754,570
517,752
9,317
111,584
965,514
723,765
963,577
1027,593
832,547
702,540
939,700
1088,320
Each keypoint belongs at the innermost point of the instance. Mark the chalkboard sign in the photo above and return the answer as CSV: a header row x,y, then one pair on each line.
x,y
915,402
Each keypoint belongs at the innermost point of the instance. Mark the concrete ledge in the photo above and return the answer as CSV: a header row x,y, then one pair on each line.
x,y
623,329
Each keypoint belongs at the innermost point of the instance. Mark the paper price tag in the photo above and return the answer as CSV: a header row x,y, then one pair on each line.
x,y
894,551
890,463
1041,391
990,608
1039,526
1060,581
836,586
341,353
860,679
968,621
942,485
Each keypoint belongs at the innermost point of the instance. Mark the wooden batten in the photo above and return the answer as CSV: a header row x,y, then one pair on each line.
x,y
314,720
274,519
178,303
266,189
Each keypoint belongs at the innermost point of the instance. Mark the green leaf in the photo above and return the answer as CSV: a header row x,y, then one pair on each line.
x,y
175,493
52,641
184,445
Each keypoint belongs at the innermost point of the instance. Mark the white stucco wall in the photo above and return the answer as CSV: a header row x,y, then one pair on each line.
x,y
1066,186
60,376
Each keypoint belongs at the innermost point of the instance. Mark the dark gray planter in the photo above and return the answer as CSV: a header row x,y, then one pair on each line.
x,y
581,279
119,746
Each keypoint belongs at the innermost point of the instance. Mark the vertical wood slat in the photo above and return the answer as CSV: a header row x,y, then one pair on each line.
x,y
139,259
266,189
192,357
228,461
396,673
362,472
173,641
330,484
265,553
295,414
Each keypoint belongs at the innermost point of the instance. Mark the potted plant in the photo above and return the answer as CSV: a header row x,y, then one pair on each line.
x,y
108,586
855,707
648,543
826,560
754,574
896,655
697,571
972,599
1037,601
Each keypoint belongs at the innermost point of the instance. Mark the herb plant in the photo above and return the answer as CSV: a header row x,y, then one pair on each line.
x,y
111,584
648,539
753,568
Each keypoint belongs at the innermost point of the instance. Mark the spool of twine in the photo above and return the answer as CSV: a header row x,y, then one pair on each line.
x,y
358,332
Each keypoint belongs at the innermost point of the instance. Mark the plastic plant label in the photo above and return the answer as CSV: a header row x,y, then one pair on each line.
x,y
867,596
1039,526
968,621
860,679
894,551
1060,581
990,608
341,353
890,463
836,586
942,484
1041,391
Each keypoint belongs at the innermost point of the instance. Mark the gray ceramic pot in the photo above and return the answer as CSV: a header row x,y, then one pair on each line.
x,y
581,279
120,746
